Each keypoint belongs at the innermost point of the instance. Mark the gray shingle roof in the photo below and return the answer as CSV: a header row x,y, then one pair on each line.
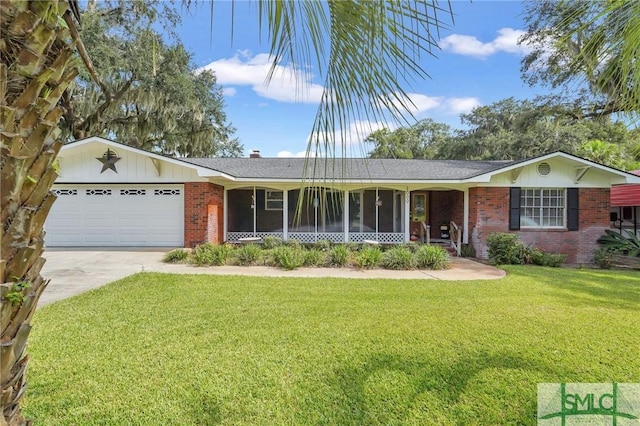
x,y
350,168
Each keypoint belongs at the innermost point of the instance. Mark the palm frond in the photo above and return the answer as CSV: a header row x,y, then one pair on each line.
x,y
367,53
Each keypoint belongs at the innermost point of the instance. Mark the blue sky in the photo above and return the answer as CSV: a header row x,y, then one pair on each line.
x,y
478,64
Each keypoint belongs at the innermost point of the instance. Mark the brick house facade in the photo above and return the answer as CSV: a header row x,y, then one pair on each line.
x,y
489,213
150,200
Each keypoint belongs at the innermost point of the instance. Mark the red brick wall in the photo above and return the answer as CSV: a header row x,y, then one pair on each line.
x,y
445,206
198,197
489,212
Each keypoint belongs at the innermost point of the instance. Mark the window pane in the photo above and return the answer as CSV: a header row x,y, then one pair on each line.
x,y
542,207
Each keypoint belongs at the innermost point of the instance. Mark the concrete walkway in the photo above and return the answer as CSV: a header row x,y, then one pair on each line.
x,y
76,271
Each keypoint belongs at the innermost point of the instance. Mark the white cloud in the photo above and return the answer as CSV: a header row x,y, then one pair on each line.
x,y
286,85
420,102
229,91
289,154
350,142
506,41
461,105
455,106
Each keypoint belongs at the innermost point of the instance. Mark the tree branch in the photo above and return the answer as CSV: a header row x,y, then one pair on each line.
x,y
86,60
96,115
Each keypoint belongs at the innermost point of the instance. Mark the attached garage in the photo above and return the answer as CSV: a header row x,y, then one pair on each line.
x,y
114,195
119,215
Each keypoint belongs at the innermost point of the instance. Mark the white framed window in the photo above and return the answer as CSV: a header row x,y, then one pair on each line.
x,y
273,200
543,208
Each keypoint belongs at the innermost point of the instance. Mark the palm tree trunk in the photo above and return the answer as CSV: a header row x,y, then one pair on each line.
x,y
37,65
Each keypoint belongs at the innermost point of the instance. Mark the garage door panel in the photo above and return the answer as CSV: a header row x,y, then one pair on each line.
x,y
63,238
99,240
129,239
113,215
163,237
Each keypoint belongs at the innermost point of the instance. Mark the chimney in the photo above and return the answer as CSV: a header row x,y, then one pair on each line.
x,y
255,154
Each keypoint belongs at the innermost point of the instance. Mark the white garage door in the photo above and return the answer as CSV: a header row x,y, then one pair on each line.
x,y
116,216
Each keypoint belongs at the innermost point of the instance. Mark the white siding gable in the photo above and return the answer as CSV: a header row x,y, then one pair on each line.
x,y
79,164
564,173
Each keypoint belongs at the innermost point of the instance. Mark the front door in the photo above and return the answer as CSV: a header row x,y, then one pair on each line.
x,y
419,214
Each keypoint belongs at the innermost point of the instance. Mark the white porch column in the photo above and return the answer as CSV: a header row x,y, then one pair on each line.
x,y
225,213
345,215
407,216
377,211
254,208
285,214
465,225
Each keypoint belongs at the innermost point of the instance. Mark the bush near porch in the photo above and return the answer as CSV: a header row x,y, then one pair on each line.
x,y
293,255
507,249
157,349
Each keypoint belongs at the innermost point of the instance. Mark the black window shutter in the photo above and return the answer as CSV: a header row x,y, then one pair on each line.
x,y
573,209
514,209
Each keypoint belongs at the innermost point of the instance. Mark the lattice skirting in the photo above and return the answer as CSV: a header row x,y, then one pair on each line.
x,y
311,237
334,237
234,237
381,237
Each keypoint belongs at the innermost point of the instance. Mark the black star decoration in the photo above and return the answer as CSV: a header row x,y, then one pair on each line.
x,y
108,160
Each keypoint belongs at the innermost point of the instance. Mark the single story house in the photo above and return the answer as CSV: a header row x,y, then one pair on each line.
x,y
110,194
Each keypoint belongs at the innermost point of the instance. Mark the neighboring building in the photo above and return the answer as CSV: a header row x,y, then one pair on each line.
x,y
110,194
625,206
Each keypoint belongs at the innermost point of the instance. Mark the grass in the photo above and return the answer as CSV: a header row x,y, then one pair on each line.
x,y
194,349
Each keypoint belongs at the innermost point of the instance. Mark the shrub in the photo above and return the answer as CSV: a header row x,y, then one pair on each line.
x,y
323,245
210,254
506,249
613,240
313,258
271,241
602,257
432,257
352,246
293,243
338,256
203,254
547,259
467,250
399,257
248,254
368,258
179,255
411,247
288,257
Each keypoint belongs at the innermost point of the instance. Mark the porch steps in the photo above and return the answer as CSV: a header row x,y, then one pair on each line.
x,y
445,244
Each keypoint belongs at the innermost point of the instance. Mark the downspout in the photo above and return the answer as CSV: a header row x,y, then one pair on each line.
x,y
254,206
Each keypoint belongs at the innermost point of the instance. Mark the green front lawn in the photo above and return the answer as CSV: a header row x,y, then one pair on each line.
x,y
196,350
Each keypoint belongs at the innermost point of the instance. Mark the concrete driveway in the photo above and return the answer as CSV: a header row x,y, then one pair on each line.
x,y
75,271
